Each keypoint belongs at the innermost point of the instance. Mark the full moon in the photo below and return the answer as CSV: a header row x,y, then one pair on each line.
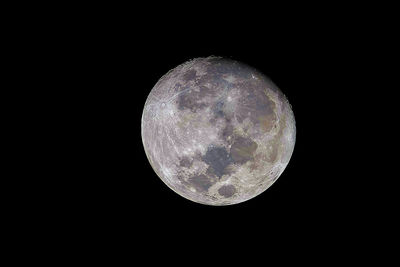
x,y
217,131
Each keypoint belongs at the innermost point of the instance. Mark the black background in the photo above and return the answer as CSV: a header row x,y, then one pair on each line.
x,y
104,64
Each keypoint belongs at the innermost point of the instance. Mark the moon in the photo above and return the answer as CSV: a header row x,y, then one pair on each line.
x,y
217,131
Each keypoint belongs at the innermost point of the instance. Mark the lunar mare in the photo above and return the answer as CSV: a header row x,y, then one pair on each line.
x,y
217,131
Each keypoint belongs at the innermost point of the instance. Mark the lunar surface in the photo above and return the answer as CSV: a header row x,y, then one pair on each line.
x,y
217,131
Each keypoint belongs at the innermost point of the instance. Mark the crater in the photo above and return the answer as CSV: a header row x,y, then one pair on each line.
x,y
243,149
185,162
227,190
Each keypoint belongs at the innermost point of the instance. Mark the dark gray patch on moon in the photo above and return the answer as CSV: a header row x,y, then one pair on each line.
x,y
227,190
227,131
190,75
257,107
243,149
218,159
219,108
190,100
185,162
194,99
201,182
